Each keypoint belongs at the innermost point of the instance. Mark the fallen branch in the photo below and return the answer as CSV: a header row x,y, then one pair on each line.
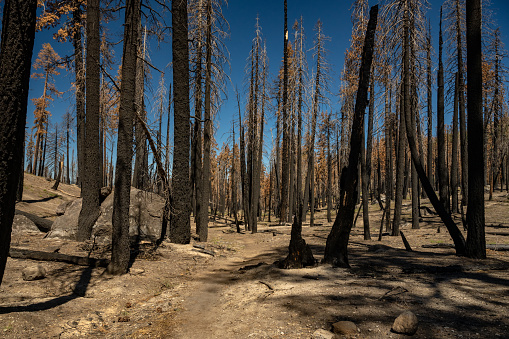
x,y
200,249
267,284
19,253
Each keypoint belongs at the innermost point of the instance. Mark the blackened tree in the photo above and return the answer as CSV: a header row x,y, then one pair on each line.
x,y
18,32
180,226
121,198
91,176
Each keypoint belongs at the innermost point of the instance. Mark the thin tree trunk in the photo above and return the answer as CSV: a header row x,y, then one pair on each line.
x,y
286,142
462,117
140,175
400,168
80,92
442,168
454,156
388,157
430,109
207,133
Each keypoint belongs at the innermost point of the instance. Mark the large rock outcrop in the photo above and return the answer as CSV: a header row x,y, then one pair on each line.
x,y
145,213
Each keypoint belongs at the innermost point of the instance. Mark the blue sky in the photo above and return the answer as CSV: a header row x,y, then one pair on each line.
x,y
241,15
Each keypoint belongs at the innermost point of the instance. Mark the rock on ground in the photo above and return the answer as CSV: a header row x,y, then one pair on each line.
x,y
66,226
322,334
33,273
23,224
406,323
345,327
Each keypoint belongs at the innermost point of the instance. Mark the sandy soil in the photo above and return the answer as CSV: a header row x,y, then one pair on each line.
x,y
175,291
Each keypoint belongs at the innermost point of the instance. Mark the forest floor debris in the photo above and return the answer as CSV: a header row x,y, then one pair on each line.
x,y
176,292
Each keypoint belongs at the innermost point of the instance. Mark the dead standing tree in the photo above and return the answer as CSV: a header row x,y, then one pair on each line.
x,y
121,198
91,178
455,233
321,81
18,32
336,249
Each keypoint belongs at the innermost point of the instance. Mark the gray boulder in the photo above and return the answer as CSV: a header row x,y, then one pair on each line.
x,y
23,224
145,218
405,323
66,226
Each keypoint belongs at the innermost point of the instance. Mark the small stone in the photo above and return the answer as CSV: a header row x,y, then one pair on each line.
x,y
405,323
33,273
322,334
136,271
344,327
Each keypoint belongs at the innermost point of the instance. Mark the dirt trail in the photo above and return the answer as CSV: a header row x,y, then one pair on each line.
x,y
209,306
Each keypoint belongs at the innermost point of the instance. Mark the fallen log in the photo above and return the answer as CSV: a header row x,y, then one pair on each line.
x,y
43,224
493,247
202,249
20,253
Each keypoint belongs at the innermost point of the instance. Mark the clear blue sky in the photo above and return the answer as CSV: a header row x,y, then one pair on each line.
x,y
241,15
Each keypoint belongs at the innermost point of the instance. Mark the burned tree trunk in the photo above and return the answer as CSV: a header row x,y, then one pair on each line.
x,y
18,32
336,250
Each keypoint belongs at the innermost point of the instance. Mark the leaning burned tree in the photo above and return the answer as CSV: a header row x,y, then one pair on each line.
x,y
336,249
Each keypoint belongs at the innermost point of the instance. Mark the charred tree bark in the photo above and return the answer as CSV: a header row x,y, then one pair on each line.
x,y
455,233
140,174
454,149
18,32
366,162
91,177
286,142
127,111
476,242
180,226
400,168
462,117
442,167
336,250
388,156
80,92
430,110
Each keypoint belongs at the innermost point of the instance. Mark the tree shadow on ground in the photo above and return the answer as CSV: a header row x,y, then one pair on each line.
x,y
40,200
450,295
79,290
